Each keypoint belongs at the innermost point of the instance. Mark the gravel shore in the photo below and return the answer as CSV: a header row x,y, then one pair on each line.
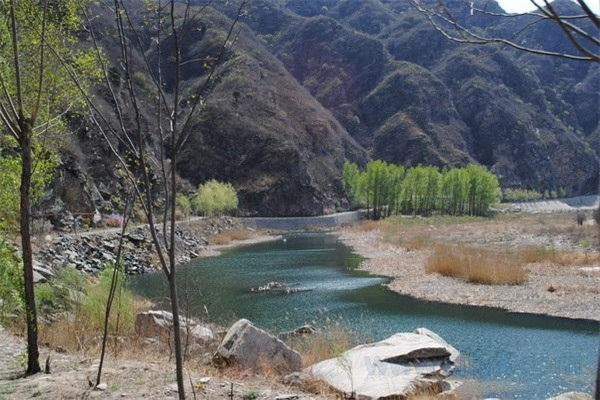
x,y
561,291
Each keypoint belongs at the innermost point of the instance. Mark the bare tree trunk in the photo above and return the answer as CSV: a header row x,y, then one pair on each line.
x,y
113,288
33,364
176,335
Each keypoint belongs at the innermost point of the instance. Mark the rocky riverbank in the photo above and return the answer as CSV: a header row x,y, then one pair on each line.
x,y
569,291
91,252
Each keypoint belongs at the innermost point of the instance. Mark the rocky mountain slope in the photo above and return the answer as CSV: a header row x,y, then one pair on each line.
x,y
313,82
409,95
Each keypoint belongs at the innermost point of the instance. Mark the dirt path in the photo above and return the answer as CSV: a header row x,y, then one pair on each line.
x,y
10,349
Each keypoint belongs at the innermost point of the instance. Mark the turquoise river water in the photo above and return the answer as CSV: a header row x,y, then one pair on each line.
x,y
509,355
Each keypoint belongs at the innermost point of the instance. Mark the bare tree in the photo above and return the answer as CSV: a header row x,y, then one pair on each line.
x,y
114,284
585,42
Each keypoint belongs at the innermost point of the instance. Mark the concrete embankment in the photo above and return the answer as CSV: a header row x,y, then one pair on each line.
x,y
305,223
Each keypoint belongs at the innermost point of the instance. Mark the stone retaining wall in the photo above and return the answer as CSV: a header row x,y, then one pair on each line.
x,y
304,223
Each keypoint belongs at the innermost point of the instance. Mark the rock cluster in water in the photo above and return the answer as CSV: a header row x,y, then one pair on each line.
x,y
278,287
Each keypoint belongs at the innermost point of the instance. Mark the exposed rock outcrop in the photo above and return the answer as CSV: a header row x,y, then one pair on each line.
x,y
252,348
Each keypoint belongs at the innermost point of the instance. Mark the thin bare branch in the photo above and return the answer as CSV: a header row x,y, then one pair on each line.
x,y
8,97
467,36
126,138
12,129
199,93
591,15
42,66
16,59
138,40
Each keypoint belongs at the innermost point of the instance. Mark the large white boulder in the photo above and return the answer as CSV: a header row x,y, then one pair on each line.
x,y
252,348
405,364
159,324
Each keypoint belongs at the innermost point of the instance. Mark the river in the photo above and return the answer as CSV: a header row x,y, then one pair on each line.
x,y
511,355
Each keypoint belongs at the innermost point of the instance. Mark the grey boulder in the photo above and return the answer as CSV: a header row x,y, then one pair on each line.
x,y
159,324
252,348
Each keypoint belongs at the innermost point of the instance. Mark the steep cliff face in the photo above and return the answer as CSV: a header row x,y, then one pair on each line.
x,y
267,135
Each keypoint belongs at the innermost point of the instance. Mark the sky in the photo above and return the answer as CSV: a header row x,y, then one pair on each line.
x,y
516,6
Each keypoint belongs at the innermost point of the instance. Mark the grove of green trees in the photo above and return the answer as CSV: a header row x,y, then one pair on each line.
x,y
387,189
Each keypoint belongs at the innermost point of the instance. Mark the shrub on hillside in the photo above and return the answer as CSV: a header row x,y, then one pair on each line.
x,y
61,293
114,221
184,205
215,198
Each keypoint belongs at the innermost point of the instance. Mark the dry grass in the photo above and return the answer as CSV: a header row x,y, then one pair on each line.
x,y
368,225
79,333
539,254
322,345
476,265
231,235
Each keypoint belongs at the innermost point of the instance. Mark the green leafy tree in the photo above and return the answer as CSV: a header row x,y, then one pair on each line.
x,y
214,198
454,191
10,182
351,180
35,95
483,189
421,190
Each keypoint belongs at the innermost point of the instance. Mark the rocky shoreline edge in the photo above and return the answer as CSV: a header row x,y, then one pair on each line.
x,y
405,268
91,252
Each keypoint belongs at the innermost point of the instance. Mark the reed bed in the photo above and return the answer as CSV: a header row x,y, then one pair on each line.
x,y
477,265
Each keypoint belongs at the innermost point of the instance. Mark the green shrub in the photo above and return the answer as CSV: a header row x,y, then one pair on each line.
x,y
94,304
215,198
11,282
59,294
523,195
184,205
